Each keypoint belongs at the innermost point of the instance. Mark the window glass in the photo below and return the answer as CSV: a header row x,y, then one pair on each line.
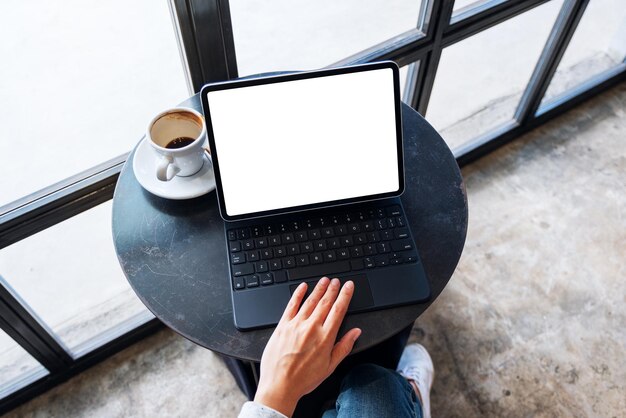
x,y
283,35
80,81
480,80
17,367
70,277
598,44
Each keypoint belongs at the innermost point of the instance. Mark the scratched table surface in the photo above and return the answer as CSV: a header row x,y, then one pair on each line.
x,y
174,253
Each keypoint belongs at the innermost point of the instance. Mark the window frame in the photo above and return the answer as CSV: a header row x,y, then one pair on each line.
x,y
205,36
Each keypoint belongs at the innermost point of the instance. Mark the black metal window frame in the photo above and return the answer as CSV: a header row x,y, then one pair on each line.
x,y
208,51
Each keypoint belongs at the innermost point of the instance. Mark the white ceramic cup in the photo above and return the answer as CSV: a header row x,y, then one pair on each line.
x,y
170,134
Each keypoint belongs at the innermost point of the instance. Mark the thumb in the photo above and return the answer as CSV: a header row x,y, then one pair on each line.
x,y
343,347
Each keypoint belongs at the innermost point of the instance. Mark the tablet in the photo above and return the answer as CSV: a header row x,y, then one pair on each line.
x,y
305,140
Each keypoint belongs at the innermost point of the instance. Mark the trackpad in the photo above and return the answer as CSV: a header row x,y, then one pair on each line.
x,y
362,298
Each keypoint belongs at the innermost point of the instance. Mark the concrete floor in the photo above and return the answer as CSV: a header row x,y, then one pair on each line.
x,y
531,324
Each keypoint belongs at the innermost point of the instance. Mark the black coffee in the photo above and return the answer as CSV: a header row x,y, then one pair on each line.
x,y
179,142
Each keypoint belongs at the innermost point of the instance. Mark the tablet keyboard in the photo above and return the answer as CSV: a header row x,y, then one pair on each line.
x,y
307,248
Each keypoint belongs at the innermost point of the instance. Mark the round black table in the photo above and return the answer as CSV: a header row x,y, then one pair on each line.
x,y
174,252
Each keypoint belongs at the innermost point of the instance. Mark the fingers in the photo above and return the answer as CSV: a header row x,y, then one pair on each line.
x,y
343,347
326,303
339,308
294,303
309,305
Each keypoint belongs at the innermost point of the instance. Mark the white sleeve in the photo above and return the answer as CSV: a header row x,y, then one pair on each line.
x,y
256,410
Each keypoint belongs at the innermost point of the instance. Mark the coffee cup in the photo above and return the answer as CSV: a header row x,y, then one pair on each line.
x,y
178,138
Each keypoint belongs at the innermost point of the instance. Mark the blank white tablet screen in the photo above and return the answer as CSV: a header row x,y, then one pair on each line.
x,y
305,141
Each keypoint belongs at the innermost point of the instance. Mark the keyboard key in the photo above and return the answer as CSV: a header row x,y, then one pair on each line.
x,y
386,235
380,213
327,232
381,224
329,256
239,283
280,252
357,264
396,260
243,233
252,281
261,267
381,260
243,269
401,245
283,228
360,239
232,235
248,244
276,264
343,253
257,231
333,243
340,230
400,221
319,245
401,233
289,262
391,222
394,211
266,278
409,256
260,242
275,240
369,262
319,270
347,241
315,234
288,238
301,236
306,247
383,247
238,258
369,249
356,252
266,254
280,276
302,260
295,226
373,236
317,258
354,228
270,230
368,226
252,256
293,249
235,246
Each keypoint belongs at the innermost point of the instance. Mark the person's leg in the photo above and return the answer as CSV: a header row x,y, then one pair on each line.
x,y
417,366
373,391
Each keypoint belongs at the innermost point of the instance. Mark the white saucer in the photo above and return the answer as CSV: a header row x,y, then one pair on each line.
x,y
144,166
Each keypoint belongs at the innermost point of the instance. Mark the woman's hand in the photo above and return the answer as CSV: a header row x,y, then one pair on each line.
x,y
301,352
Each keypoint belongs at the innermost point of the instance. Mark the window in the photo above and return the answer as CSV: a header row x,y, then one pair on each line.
x,y
17,367
74,261
302,35
83,89
484,76
597,46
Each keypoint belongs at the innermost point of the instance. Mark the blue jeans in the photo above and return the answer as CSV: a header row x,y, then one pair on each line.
x,y
373,391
